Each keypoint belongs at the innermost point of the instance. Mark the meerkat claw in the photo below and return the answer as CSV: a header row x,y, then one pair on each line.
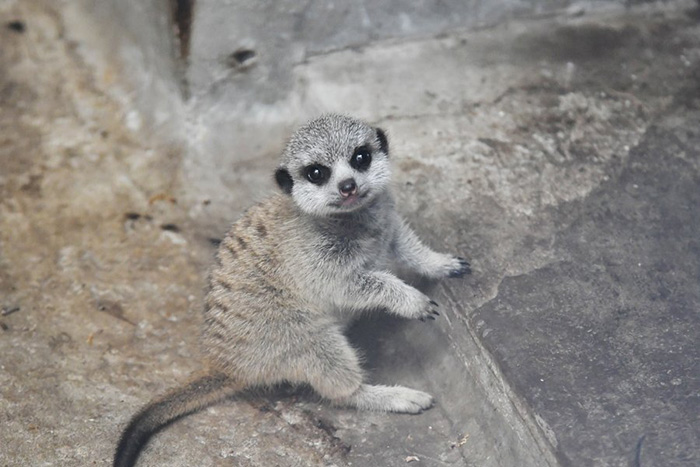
x,y
463,269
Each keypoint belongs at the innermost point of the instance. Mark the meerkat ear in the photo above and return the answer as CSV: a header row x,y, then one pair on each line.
x,y
383,142
284,180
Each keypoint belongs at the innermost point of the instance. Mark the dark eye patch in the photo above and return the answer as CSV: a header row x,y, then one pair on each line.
x,y
361,158
317,174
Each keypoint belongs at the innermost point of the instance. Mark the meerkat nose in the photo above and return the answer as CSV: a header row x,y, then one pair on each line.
x,y
347,187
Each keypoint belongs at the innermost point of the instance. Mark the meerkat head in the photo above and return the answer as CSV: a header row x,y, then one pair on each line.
x,y
334,164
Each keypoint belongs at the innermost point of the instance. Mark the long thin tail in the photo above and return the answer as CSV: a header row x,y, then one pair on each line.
x,y
155,416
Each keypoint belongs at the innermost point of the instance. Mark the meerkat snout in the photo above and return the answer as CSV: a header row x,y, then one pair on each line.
x,y
347,187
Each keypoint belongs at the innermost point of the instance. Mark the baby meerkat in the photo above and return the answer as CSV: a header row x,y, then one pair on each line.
x,y
295,269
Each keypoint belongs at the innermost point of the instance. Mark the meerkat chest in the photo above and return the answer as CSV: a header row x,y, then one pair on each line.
x,y
356,245
349,247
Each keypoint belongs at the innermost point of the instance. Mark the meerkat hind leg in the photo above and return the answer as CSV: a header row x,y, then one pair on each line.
x,y
334,372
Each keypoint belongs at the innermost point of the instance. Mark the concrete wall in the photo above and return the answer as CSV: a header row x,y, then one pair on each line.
x,y
133,48
240,55
238,71
285,32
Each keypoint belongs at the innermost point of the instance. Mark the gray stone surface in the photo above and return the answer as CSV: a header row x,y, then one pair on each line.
x,y
285,33
558,153
602,340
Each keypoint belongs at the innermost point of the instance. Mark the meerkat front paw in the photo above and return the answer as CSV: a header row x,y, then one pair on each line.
x,y
460,267
431,311
448,266
420,307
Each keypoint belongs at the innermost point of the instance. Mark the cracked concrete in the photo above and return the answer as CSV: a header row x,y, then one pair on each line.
x,y
558,153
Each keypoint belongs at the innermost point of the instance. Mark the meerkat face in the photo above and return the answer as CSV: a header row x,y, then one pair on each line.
x,y
335,165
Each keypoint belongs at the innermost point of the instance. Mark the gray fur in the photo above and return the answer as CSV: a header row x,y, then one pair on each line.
x,y
296,268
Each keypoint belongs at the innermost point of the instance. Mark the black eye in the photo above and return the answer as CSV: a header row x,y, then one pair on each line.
x,y
317,174
361,158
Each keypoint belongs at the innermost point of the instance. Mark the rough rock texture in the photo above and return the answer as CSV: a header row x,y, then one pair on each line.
x,y
561,154
602,339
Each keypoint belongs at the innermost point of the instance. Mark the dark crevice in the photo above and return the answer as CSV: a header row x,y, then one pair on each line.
x,y
183,11
16,26
241,56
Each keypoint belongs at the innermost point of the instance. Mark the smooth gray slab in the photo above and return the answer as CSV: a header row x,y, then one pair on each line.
x,y
602,342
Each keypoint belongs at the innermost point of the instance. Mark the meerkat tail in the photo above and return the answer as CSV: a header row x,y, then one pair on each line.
x,y
180,402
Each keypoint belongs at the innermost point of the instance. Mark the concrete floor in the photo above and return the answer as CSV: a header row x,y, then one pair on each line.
x,y
561,154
